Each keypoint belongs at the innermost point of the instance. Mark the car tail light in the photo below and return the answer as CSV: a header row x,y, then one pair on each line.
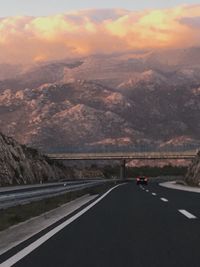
x,y
145,179
138,179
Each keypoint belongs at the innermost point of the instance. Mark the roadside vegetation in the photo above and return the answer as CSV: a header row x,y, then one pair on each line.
x,y
167,170
132,172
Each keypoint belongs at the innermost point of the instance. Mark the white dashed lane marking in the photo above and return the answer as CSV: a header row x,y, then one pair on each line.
x,y
182,211
187,214
164,199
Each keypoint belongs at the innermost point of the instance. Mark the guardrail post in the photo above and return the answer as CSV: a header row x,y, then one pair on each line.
x,y
123,169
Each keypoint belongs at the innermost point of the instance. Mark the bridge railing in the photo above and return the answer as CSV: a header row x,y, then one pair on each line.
x,y
125,155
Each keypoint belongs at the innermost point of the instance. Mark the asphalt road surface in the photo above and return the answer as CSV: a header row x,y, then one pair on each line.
x,y
130,226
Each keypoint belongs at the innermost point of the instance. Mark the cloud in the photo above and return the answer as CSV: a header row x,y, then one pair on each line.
x,y
191,22
99,15
28,39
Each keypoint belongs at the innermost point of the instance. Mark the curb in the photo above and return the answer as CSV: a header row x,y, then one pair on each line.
x,y
173,185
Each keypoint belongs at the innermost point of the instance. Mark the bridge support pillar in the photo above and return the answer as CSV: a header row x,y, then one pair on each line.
x,y
123,169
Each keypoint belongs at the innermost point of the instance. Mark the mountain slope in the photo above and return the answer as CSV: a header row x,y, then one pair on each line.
x,y
22,165
193,175
120,101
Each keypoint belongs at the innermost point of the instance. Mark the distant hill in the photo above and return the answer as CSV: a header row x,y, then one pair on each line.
x,y
147,100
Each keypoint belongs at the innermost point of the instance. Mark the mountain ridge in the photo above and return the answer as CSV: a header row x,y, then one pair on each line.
x,y
121,102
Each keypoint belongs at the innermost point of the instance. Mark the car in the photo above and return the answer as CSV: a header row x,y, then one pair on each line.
x,y
142,180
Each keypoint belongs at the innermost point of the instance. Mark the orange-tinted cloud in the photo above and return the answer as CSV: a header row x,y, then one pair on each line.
x,y
27,39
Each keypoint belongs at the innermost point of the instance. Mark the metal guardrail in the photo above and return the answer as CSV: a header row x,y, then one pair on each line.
x,y
123,155
10,199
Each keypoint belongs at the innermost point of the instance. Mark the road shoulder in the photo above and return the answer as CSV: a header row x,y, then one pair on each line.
x,y
173,185
21,232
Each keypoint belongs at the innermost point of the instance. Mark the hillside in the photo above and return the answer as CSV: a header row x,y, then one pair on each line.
x,y
193,175
148,100
22,165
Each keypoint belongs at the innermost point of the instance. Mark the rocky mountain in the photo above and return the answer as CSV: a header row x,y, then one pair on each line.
x,y
140,100
193,174
23,165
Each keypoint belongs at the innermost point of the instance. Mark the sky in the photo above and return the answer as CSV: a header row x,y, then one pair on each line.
x,y
37,31
50,7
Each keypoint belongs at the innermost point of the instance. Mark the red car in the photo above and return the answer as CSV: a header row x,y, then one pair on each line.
x,y
142,180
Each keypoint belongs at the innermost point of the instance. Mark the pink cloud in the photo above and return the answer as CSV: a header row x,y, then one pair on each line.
x,y
191,21
28,39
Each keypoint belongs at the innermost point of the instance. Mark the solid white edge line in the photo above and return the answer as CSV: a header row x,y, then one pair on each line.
x,y
187,214
164,199
153,194
27,250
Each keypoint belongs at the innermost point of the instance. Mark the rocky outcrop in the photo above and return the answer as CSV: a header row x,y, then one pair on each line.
x,y
20,164
193,175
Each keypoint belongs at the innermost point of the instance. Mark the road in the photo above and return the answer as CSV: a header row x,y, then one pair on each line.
x,y
129,227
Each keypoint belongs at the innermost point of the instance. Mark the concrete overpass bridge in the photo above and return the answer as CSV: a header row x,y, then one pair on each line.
x,y
188,155
125,156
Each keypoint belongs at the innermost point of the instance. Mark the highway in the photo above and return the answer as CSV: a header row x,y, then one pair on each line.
x,y
12,196
131,226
